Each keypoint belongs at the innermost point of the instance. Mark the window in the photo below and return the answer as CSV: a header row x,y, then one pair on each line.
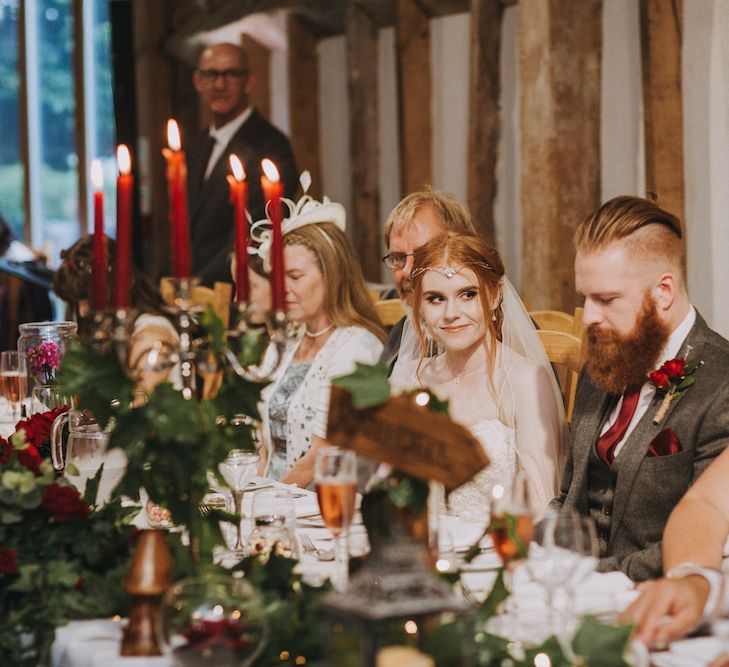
x,y
68,96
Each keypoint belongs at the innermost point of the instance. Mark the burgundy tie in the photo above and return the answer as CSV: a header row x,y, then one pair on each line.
x,y
609,440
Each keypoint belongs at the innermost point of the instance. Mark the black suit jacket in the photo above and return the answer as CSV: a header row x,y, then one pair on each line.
x,y
649,487
212,229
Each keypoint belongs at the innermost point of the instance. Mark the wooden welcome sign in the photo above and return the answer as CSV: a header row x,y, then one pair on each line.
x,y
418,442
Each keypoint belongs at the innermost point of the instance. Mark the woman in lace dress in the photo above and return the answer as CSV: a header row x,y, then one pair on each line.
x,y
326,295
476,347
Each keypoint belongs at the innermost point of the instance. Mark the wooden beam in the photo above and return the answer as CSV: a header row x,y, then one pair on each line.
x,y
559,72
260,58
660,27
361,37
153,77
484,120
304,100
413,69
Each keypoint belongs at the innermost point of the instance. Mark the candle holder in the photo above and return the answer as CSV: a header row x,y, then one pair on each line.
x,y
183,311
256,341
104,330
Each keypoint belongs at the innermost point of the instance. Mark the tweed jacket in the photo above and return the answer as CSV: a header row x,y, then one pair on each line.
x,y
211,213
648,487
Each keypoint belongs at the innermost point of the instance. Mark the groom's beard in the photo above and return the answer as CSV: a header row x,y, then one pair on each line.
x,y
615,362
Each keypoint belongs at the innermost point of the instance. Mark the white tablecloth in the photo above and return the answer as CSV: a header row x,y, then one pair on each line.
x,y
95,643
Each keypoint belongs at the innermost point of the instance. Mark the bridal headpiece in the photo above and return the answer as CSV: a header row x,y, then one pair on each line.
x,y
306,211
450,271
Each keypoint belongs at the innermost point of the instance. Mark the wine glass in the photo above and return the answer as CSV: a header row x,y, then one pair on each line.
x,y
588,550
273,517
236,469
511,526
13,380
335,476
555,555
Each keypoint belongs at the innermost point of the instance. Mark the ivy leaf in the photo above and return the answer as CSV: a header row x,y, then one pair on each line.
x,y
601,645
411,493
252,346
550,647
238,396
691,366
686,383
368,385
499,593
213,327
91,489
96,379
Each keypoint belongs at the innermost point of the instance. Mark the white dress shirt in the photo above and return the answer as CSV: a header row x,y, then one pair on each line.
x,y
222,136
648,390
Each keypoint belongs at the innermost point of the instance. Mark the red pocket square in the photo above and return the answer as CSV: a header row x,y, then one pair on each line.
x,y
665,443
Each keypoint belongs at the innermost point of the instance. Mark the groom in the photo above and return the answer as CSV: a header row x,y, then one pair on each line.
x,y
629,464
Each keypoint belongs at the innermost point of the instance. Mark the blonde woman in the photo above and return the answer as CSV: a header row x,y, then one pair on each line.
x,y
327,296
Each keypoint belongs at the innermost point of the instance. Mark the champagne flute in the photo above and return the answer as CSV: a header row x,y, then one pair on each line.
x,y
13,379
511,526
335,476
236,469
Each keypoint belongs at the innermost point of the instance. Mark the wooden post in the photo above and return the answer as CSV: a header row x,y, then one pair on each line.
x,y
660,28
304,100
153,75
413,70
484,121
361,36
259,59
559,71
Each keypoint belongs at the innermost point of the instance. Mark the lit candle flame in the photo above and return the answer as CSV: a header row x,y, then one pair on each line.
x,y
238,171
97,175
269,168
173,135
123,160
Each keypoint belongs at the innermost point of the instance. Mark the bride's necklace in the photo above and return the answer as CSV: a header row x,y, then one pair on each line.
x,y
462,374
316,334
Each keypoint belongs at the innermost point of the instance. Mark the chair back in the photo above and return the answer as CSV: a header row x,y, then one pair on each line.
x,y
567,351
391,311
219,297
553,320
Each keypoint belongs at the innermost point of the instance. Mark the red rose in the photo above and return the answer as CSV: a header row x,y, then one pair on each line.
x,y
6,451
38,427
64,503
674,368
8,560
30,458
660,379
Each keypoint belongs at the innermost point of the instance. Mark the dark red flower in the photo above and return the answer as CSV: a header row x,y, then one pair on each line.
x,y
30,458
674,368
64,503
8,560
660,379
38,428
6,451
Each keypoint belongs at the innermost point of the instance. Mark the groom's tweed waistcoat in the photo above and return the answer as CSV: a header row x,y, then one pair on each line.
x,y
647,488
600,493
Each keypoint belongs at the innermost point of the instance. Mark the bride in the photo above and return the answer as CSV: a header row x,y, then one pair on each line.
x,y
474,345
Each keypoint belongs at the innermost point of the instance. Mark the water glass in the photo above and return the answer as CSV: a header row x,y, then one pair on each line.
x,y
237,468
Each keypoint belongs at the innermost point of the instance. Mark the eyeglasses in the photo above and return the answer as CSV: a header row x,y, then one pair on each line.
x,y
396,260
209,76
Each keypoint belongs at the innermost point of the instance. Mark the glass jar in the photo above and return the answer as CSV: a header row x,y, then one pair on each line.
x,y
44,344
213,620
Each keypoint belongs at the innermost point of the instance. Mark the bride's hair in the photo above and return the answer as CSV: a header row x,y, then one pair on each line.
x,y
455,250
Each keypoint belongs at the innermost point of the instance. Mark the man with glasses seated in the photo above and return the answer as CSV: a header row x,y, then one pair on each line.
x,y
418,218
223,81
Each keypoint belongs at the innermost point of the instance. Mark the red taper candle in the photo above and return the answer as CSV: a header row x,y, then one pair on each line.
x,y
177,187
99,269
124,185
273,191
238,195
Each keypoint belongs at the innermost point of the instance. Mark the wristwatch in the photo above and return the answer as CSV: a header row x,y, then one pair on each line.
x,y
714,579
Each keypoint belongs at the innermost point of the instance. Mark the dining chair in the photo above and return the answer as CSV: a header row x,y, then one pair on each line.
x,y
219,297
391,311
567,351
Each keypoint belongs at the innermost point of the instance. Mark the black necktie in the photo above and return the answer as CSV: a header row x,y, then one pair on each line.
x,y
209,146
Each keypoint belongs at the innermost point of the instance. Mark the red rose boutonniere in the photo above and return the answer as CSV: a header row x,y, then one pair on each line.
x,y
672,380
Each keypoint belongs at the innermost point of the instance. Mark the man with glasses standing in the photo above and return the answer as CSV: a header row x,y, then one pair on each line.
x,y
418,218
223,81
